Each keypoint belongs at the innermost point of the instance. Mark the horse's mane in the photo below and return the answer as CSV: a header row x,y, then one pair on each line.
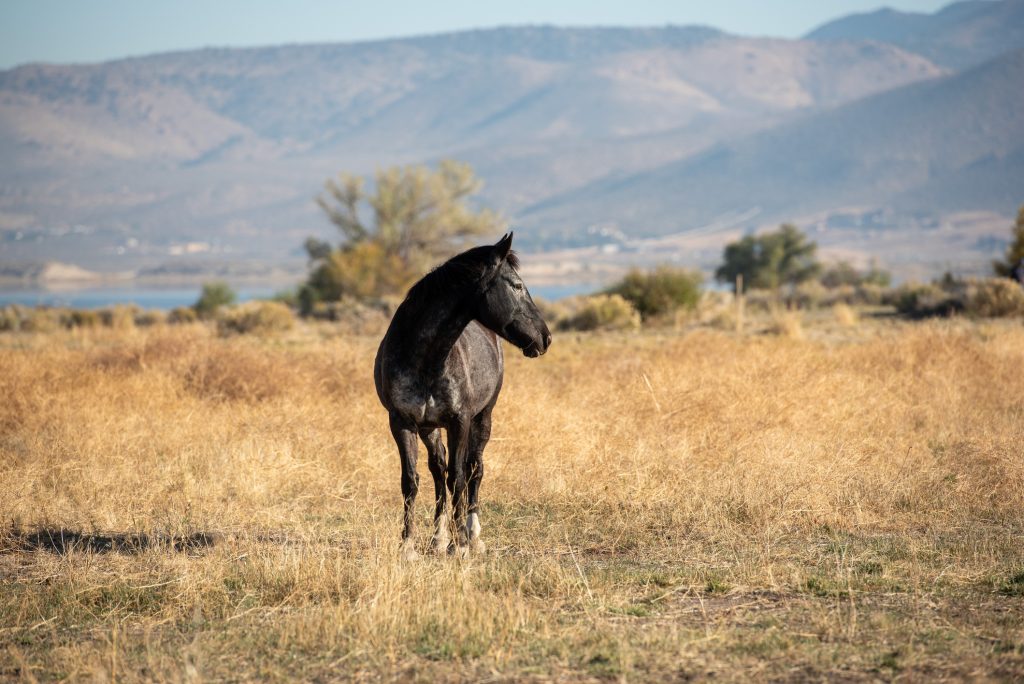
x,y
456,274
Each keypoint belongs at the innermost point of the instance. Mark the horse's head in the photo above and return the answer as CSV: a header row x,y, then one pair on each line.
x,y
506,306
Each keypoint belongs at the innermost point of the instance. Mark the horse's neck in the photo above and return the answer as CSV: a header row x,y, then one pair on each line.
x,y
430,332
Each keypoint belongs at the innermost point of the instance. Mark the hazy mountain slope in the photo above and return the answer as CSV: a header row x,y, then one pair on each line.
x,y
230,146
958,36
953,142
535,83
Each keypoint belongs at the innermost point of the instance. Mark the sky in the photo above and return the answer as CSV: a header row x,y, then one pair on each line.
x,y
63,31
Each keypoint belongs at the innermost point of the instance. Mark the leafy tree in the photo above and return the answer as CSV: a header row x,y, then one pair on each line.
x,y
418,216
843,273
659,292
213,296
1015,250
770,260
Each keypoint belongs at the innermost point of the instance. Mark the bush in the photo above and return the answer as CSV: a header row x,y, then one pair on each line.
x,y
82,318
10,318
119,317
213,296
843,273
872,294
256,318
554,313
150,317
358,317
809,295
40,320
182,314
603,312
659,292
995,298
984,298
923,301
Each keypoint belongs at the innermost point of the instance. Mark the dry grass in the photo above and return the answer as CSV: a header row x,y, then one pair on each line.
x,y
657,506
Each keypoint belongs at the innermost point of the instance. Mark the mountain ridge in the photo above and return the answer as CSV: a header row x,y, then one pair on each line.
x,y
118,164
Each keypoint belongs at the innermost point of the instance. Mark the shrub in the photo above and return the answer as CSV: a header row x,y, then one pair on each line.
x,y
872,294
359,317
40,320
659,292
289,297
554,313
922,301
843,273
182,314
10,318
984,298
213,296
119,317
809,295
150,317
83,318
603,312
995,298
256,318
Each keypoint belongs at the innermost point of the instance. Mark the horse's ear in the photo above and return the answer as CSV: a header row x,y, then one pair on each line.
x,y
502,247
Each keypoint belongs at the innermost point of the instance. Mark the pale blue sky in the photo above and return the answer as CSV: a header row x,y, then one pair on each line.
x,y
97,30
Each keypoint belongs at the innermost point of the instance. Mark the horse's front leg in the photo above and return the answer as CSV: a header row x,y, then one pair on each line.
x,y
458,447
405,438
438,465
479,435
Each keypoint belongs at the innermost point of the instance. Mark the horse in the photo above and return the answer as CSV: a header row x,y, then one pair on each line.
x,y
440,365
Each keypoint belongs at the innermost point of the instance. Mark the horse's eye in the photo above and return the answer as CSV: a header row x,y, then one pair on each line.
x,y
517,286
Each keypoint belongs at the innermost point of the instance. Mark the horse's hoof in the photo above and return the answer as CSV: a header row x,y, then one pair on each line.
x,y
438,547
408,553
457,551
478,547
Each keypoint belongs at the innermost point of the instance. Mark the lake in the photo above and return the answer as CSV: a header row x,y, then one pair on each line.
x,y
166,298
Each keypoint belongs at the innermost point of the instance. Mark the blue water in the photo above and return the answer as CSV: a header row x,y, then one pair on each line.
x,y
147,298
171,297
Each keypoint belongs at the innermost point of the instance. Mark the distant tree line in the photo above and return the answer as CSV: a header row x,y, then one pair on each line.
x,y
414,217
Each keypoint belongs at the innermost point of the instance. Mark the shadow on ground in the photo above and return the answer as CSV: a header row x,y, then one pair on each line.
x,y
62,541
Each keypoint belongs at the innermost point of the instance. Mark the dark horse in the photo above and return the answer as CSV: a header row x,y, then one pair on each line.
x,y
440,365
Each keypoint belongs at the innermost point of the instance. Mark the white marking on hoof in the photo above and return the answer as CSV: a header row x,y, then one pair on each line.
x,y
439,544
473,526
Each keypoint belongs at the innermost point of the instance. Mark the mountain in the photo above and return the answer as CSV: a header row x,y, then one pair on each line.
x,y
217,154
948,144
960,35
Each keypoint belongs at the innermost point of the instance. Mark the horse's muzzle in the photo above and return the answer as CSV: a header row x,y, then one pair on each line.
x,y
533,350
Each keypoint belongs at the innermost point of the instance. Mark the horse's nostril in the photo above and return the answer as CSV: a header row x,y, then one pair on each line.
x,y
547,340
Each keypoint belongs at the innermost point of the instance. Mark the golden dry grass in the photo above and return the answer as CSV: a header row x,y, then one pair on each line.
x,y
656,506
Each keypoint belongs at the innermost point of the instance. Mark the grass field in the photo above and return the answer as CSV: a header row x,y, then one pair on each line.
x,y
657,506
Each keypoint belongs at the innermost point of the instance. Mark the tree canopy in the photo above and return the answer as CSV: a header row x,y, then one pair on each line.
x,y
1014,251
770,260
418,216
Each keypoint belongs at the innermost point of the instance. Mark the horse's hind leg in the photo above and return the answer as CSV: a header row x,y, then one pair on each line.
x,y
480,433
437,463
405,438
